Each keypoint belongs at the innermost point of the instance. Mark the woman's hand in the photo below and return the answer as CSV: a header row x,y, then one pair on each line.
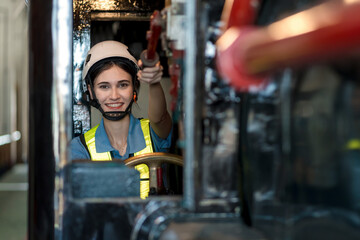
x,y
159,117
150,75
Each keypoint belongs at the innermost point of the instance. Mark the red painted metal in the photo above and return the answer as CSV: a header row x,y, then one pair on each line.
x,y
326,32
153,35
174,72
239,12
159,179
231,63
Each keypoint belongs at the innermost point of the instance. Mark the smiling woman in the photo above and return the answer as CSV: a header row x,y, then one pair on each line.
x,y
113,78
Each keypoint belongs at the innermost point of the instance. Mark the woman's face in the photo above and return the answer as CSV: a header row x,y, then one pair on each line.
x,y
114,90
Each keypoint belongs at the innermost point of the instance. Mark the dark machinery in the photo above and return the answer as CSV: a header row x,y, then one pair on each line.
x,y
266,107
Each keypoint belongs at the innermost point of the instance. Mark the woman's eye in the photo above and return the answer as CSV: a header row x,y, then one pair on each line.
x,y
123,85
103,86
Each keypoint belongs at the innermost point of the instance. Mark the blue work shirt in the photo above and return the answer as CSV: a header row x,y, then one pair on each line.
x,y
135,142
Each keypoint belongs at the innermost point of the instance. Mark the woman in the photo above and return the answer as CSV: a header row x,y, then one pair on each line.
x,y
112,76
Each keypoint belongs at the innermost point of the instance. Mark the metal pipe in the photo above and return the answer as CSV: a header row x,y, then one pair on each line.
x,y
247,54
191,150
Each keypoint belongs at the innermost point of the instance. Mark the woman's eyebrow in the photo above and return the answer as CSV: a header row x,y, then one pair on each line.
x,y
119,81
102,83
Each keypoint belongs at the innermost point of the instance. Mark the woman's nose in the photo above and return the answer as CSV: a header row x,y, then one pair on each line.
x,y
114,94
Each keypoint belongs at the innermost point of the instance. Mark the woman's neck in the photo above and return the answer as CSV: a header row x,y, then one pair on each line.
x,y
117,132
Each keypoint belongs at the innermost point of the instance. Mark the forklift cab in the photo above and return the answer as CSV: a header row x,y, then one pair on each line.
x,y
102,198
267,135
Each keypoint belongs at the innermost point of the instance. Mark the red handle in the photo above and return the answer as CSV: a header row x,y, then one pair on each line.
x,y
149,57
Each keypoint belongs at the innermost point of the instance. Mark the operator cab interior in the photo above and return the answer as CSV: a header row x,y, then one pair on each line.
x,y
90,178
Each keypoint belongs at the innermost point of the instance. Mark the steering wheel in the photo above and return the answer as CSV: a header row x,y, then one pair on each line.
x,y
154,161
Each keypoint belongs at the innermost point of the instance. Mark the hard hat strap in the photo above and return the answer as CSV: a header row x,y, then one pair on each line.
x,y
116,116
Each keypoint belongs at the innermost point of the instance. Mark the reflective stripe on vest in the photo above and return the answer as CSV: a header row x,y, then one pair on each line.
x,y
106,156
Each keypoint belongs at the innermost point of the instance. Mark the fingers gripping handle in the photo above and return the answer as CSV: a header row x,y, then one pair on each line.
x,y
147,62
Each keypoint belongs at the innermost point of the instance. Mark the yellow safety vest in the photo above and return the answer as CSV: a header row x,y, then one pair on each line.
x,y
353,144
106,156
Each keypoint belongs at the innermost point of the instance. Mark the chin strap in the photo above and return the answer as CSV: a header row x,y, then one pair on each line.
x,y
116,116
112,116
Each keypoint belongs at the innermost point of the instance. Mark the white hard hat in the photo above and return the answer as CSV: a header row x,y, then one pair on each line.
x,y
106,50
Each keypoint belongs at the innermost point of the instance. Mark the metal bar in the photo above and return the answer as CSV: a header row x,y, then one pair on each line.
x,y
50,79
62,22
9,138
120,16
62,76
41,152
191,152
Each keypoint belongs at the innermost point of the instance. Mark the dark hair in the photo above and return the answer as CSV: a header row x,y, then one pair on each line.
x,y
122,63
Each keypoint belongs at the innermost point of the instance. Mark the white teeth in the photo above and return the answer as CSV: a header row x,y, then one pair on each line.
x,y
114,104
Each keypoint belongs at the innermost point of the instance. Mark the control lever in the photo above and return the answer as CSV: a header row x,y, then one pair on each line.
x,y
149,56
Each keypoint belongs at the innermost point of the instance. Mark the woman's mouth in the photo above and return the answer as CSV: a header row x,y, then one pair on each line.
x,y
114,106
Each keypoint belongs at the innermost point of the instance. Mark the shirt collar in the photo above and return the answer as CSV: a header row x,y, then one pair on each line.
x,y
135,139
